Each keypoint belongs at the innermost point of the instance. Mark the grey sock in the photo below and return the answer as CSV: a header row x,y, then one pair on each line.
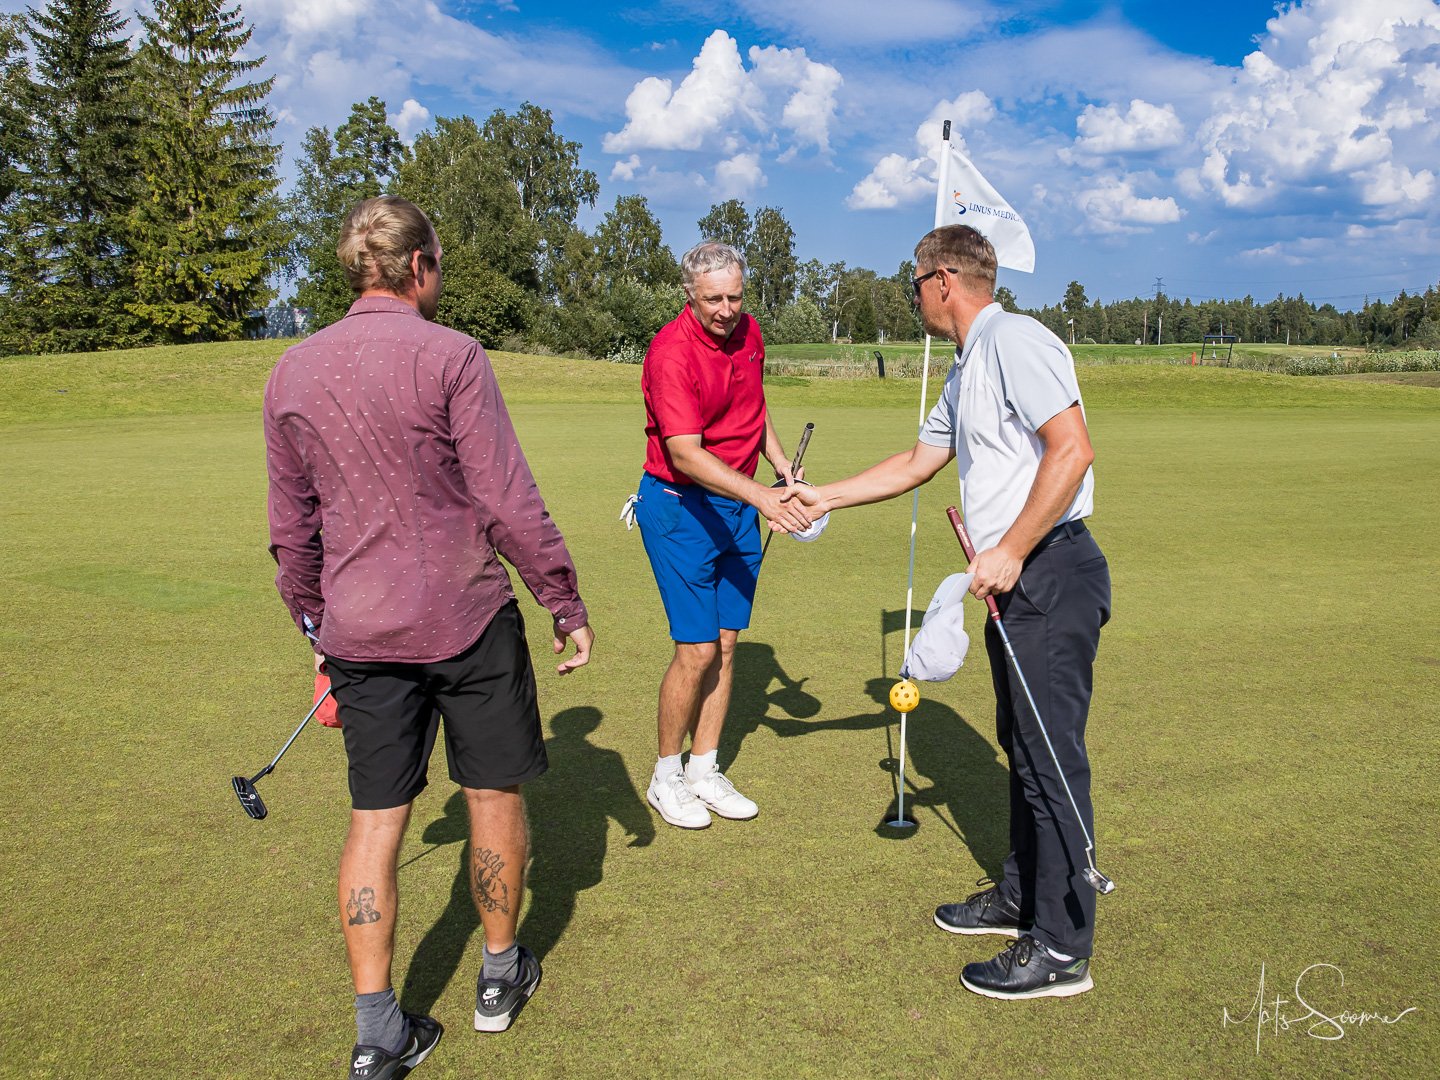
x,y
379,1021
504,965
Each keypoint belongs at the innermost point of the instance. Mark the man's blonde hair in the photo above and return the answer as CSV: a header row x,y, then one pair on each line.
x,y
962,249
377,240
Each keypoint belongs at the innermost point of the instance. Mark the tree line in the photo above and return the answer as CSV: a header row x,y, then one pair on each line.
x,y
140,204
1411,320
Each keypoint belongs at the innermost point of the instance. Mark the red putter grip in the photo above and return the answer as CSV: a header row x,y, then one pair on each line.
x,y
969,548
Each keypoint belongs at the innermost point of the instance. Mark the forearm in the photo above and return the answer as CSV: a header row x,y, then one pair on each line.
x,y
1057,480
293,511
714,475
1066,456
894,476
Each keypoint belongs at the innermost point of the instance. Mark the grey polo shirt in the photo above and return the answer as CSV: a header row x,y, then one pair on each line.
x,y
1011,378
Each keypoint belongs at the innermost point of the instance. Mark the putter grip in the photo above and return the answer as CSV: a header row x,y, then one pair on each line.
x,y
968,547
800,450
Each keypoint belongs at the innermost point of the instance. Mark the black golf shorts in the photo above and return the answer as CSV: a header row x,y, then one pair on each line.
x,y
389,713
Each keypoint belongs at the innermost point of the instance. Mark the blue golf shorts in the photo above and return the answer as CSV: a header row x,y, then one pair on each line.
x,y
705,551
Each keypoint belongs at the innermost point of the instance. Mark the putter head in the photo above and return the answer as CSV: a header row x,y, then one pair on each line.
x,y
1098,881
250,798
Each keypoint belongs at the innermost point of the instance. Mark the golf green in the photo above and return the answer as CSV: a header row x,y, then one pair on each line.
x,y
1263,741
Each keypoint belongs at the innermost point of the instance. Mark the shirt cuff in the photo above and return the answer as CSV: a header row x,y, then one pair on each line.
x,y
572,616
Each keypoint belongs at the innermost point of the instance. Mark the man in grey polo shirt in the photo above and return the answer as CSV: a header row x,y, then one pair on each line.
x,y
1011,417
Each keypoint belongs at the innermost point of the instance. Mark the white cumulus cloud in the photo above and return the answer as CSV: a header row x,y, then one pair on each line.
x,y
897,180
410,120
1112,205
625,168
1341,96
1107,130
809,89
739,176
661,116
725,107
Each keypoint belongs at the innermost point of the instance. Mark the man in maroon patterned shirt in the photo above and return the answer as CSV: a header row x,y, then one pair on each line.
x,y
395,480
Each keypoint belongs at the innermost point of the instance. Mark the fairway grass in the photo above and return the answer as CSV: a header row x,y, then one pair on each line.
x,y
1263,743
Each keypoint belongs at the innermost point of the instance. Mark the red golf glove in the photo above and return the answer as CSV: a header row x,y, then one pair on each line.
x,y
327,713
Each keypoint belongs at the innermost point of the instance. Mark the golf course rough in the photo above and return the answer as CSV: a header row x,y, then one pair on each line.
x,y
1263,742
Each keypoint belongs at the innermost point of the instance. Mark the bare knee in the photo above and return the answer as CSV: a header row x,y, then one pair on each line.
x,y
727,647
697,657
378,826
494,805
373,842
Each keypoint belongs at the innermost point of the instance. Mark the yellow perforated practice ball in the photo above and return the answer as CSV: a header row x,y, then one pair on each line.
x,y
904,696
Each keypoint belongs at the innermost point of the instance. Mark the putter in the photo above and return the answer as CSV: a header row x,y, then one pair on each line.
x,y
794,468
1093,877
245,791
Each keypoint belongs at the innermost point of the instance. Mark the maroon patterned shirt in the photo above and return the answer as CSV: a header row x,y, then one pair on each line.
x,y
395,478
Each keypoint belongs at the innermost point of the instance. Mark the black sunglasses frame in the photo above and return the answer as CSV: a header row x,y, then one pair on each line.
x,y
915,283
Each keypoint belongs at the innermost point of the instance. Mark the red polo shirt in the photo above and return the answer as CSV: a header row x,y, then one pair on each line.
x,y
695,386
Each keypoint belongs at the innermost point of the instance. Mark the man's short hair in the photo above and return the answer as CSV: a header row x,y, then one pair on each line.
x,y
377,240
961,248
707,257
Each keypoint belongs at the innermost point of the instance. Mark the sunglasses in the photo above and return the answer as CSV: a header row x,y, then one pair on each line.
x,y
915,283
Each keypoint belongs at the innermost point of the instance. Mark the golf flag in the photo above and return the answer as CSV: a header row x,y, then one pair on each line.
x,y
966,198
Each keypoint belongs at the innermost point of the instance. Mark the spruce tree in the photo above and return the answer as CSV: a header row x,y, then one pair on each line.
x,y
70,175
14,131
333,175
208,231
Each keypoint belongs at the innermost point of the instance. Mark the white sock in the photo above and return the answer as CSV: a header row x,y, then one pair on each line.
x,y
1062,957
700,764
667,767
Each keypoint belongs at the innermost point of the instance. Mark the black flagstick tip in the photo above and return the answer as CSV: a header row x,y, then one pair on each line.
x,y
946,136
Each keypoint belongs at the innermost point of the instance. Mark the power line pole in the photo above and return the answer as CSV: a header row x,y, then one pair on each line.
x,y
1159,315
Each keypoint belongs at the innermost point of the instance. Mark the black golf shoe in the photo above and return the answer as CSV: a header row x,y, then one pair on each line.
x,y
372,1063
984,912
1027,970
497,1003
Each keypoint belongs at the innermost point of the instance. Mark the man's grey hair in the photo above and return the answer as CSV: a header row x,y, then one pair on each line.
x,y
707,257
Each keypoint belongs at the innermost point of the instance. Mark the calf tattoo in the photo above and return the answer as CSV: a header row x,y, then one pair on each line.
x,y
361,907
491,893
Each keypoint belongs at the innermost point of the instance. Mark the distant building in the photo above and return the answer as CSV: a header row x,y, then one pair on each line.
x,y
279,321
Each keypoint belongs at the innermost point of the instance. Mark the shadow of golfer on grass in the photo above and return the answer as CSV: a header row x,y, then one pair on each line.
x,y
754,694
969,786
569,809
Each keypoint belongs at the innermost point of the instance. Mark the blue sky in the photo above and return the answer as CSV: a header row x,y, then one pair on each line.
x,y
1226,148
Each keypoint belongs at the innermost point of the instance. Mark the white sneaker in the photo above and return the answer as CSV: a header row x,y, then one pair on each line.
x,y
674,802
716,792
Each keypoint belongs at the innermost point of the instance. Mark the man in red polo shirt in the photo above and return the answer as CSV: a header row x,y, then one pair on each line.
x,y
706,427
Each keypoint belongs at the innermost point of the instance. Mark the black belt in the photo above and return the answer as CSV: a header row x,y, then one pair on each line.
x,y
1063,531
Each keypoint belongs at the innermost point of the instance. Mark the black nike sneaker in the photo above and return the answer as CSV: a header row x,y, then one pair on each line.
x,y
372,1063
497,1003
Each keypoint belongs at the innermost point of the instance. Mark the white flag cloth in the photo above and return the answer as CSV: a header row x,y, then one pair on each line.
x,y
941,644
970,200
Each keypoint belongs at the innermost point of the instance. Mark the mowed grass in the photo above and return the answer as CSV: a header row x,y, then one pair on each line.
x,y
1172,352
1263,741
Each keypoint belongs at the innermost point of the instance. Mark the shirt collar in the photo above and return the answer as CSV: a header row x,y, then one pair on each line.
x,y
983,317
371,305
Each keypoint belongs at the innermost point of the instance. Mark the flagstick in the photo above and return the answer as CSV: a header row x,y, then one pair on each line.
x,y
943,182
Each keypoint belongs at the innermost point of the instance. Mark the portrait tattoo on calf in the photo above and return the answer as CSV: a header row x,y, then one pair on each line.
x,y
490,892
361,907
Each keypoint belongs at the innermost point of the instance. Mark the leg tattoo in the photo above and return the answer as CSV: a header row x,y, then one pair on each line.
x,y
490,892
361,907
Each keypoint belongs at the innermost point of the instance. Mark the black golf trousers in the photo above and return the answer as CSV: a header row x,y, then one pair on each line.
x,y
1053,617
